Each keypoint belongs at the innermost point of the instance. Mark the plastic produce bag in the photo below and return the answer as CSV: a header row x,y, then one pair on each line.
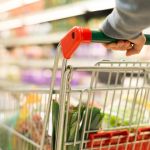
x,y
8,118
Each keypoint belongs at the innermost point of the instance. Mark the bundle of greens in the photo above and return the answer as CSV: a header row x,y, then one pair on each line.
x,y
76,120
55,112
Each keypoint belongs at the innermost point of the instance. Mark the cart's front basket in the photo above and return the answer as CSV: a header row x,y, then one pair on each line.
x,y
112,111
22,120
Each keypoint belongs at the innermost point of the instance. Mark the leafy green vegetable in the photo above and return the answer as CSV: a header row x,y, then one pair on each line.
x,y
72,125
115,121
76,123
55,112
96,118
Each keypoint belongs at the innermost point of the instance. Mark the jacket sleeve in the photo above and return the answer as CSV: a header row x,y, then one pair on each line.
x,y
128,19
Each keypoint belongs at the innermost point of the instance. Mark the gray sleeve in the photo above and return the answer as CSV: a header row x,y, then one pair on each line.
x,y
128,19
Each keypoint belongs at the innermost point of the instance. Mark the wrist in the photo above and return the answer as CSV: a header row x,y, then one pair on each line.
x,y
139,39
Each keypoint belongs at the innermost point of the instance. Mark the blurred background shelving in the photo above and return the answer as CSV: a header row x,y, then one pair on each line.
x,y
30,31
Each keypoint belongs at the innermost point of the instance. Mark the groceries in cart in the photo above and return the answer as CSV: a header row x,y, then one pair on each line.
x,y
120,121
30,122
75,122
26,118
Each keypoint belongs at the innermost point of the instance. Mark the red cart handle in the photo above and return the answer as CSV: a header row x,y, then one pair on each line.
x,y
79,35
73,39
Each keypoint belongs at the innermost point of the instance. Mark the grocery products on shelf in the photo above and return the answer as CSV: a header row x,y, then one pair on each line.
x,y
15,8
94,23
52,3
93,50
67,24
33,64
47,28
43,77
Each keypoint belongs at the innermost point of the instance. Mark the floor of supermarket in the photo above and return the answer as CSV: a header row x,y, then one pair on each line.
x,y
98,99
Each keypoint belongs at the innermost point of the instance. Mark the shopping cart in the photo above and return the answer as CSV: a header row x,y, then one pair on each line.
x,y
110,116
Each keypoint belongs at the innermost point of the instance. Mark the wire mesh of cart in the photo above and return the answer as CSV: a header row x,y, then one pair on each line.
x,y
112,112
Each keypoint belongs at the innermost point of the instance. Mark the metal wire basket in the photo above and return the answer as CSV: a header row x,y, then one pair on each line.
x,y
105,115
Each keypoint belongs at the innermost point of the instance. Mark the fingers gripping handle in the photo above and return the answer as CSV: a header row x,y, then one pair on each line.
x,y
79,35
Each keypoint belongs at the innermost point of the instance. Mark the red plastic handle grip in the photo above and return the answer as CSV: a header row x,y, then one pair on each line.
x,y
73,39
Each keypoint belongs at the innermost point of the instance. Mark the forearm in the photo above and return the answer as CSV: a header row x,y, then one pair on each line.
x,y
128,19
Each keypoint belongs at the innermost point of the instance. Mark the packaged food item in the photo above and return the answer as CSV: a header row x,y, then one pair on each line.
x,y
8,117
27,8
93,23
35,52
30,123
43,77
33,130
52,3
92,50
67,24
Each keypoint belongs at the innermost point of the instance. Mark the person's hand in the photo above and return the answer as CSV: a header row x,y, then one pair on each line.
x,y
131,46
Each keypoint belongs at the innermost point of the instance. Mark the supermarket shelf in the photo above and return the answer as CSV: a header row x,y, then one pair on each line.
x,y
40,39
61,12
23,63
32,40
13,4
78,62
7,84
